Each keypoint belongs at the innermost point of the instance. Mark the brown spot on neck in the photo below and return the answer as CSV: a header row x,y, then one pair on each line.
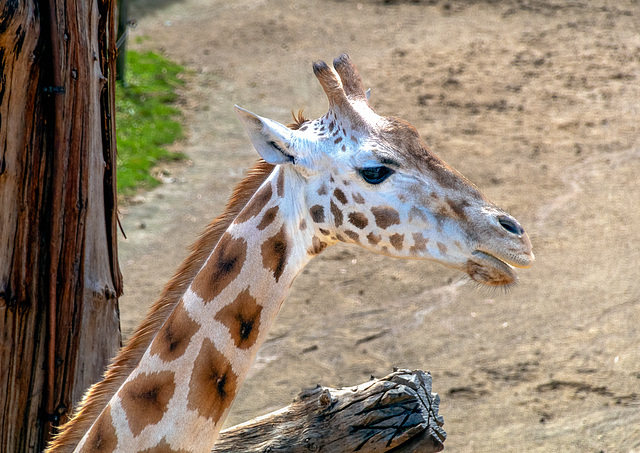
x,y
358,219
358,198
419,243
174,337
275,252
385,216
396,241
223,266
317,246
373,238
213,383
317,213
242,318
355,237
145,399
163,447
257,203
280,183
268,218
102,437
337,214
340,196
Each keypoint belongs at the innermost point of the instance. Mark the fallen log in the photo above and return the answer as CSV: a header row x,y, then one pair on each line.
x,y
397,413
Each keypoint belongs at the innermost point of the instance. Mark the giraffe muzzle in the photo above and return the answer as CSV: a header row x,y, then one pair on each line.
x,y
496,270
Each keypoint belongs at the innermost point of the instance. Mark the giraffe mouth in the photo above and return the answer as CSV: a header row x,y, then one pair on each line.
x,y
488,269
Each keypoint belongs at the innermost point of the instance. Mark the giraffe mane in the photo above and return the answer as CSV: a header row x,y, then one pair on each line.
x,y
298,120
100,393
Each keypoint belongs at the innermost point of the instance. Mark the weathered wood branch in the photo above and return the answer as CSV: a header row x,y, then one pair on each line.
x,y
397,413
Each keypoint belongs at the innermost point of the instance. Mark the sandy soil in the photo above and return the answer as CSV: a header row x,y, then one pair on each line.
x,y
537,102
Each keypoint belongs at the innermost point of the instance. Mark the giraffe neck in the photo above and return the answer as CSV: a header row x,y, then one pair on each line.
x,y
181,391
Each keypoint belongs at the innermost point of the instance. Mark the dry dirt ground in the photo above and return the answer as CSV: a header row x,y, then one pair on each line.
x,y
537,102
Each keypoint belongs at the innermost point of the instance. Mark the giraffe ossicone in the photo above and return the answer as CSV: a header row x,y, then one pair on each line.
x,y
351,176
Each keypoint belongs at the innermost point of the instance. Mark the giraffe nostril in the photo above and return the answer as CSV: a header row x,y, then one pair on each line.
x,y
510,225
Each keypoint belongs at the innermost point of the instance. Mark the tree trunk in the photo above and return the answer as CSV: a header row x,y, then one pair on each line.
x,y
59,274
123,19
397,413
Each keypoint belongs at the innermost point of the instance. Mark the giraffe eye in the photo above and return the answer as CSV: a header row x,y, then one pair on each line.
x,y
375,175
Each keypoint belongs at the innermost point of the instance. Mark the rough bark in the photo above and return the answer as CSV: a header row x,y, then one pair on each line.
x,y
59,275
397,413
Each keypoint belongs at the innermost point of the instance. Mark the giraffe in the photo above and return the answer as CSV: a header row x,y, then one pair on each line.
x,y
350,176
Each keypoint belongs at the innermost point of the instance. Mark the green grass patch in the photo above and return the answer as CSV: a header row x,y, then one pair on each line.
x,y
147,119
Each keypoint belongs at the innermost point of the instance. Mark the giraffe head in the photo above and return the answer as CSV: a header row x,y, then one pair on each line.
x,y
371,180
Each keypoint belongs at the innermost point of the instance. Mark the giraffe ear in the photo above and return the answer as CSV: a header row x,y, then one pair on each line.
x,y
271,139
